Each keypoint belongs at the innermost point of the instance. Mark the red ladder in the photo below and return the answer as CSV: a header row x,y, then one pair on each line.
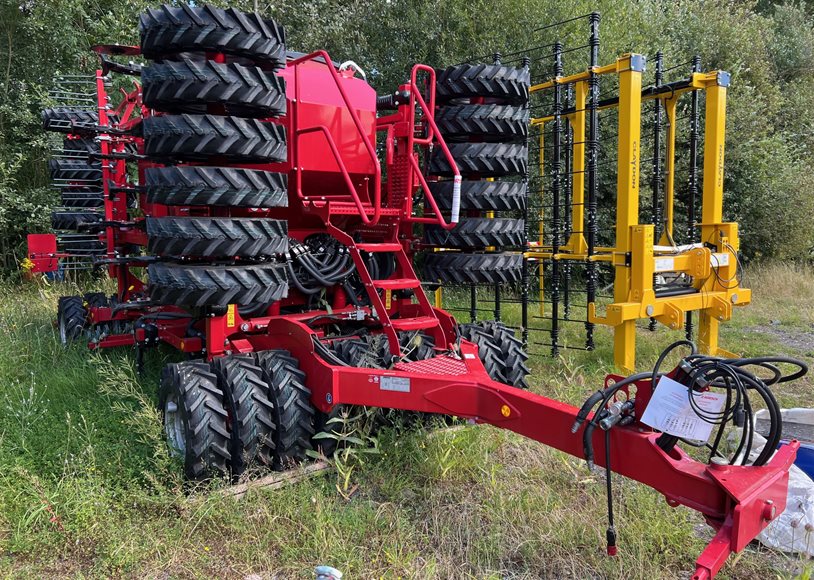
x,y
392,318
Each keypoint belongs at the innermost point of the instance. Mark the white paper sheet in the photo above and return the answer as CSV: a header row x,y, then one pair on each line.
x,y
669,410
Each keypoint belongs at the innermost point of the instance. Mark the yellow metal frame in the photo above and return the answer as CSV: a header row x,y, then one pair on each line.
x,y
634,257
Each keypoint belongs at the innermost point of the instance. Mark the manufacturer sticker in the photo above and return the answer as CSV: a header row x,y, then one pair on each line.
x,y
398,384
718,260
665,264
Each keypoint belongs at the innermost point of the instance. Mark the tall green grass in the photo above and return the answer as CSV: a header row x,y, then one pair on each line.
x,y
87,488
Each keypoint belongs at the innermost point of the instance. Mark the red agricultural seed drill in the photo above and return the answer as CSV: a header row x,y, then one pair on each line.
x,y
249,182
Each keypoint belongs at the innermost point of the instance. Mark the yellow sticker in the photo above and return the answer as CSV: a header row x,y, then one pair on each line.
x,y
387,299
505,410
230,316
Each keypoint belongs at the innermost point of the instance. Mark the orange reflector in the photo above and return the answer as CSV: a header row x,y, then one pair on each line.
x,y
505,410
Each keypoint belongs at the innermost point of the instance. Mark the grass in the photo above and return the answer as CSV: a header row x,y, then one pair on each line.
x,y
87,488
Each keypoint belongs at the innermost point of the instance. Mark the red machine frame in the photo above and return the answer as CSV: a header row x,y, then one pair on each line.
x,y
738,501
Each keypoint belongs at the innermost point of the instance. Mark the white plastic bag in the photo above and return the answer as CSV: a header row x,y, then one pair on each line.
x,y
793,530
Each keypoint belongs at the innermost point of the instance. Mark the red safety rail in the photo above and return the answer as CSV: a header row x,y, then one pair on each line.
x,y
433,138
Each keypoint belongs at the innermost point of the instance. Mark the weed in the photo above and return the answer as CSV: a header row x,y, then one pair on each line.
x,y
88,489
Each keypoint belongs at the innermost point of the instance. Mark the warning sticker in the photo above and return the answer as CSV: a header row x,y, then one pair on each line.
x,y
670,410
399,384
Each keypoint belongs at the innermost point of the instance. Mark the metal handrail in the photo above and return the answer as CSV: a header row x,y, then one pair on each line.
x,y
348,181
433,136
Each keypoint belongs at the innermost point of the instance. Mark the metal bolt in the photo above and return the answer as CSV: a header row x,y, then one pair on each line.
x,y
734,298
244,327
329,398
769,510
650,310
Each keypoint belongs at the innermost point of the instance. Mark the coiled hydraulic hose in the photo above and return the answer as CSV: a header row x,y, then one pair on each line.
x,y
699,373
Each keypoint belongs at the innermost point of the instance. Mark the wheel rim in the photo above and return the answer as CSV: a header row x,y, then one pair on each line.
x,y
174,427
63,332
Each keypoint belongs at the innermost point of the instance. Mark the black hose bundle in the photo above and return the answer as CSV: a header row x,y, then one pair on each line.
x,y
700,373
318,263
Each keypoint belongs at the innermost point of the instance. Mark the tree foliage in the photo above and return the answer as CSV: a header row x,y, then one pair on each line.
x,y
768,47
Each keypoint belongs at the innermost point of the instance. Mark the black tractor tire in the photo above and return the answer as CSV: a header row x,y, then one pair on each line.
x,y
218,186
327,445
216,237
197,285
82,197
503,123
75,121
81,147
201,137
189,86
481,159
75,170
72,318
514,355
482,195
95,299
251,414
293,411
359,352
478,233
455,268
97,331
489,350
168,30
464,81
416,346
75,220
195,418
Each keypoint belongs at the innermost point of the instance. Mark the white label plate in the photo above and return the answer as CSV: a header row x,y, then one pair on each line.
x,y
665,264
398,384
718,260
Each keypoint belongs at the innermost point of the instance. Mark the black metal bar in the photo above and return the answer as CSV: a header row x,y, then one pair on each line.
x,y
556,186
693,193
591,170
568,195
497,302
656,178
524,272
473,303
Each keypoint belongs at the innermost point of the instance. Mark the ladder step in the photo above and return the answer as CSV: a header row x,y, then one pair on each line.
x,y
387,247
397,283
418,323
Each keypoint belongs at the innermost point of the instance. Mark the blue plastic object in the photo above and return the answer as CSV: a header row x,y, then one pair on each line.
x,y
805,457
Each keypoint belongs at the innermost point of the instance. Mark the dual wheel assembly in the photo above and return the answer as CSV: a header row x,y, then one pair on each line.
x,y
254,412
236,413
483,116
